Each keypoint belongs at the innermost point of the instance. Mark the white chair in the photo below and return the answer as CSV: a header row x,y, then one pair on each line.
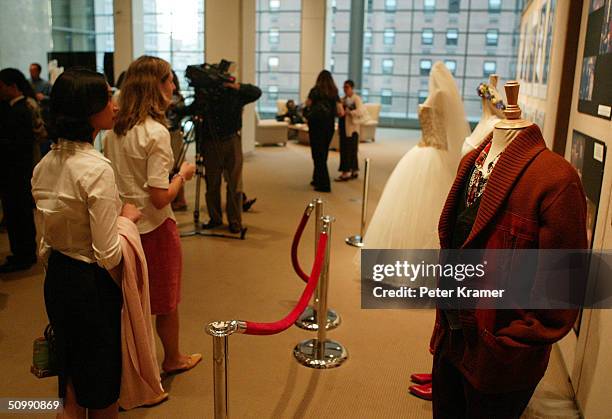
x,y
270,131
367,130
303,137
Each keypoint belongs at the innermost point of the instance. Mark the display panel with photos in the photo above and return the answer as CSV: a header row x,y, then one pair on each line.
x,y
588,157
595,93
535,49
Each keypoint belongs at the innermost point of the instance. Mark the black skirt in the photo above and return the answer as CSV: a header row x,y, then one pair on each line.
x,y
84,308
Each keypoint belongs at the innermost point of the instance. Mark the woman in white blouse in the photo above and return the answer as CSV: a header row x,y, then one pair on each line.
x,y
141,155
77,208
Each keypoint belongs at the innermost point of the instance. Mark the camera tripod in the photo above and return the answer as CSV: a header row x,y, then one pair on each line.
x,y
192,135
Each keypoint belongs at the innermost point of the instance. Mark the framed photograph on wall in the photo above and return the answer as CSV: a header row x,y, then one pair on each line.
x,y
588,157
595,93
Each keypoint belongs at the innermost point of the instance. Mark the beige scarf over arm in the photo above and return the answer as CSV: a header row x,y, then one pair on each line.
x,y
140,378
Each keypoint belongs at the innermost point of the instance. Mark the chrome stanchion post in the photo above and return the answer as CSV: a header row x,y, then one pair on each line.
x,y
321,352
323,288
308,319
220,332
357,240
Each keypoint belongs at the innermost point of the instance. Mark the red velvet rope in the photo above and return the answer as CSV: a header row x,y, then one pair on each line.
x,y
294,247
253,328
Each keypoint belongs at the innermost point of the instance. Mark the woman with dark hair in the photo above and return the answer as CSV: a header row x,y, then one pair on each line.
x,y
78,207
20,126
323,105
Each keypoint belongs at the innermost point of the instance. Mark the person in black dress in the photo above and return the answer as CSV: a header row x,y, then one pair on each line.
x,y
323,105
17,142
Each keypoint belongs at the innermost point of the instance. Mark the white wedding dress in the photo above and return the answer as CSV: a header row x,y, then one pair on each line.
x,y
407,214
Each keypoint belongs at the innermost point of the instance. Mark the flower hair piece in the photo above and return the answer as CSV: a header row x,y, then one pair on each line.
x,y
487,92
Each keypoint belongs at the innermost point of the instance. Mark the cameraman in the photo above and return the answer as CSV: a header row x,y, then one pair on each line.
x,y
221,148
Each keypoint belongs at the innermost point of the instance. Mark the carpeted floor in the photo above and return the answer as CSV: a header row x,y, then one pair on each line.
x,y
253,280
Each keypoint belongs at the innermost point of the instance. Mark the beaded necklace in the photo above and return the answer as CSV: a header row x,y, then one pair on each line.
x,y
480,176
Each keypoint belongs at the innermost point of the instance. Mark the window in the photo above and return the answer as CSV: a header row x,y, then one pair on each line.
x,y
494,6
492,37
427,36
454,6
488,68
367,65
332,64
389,36
367,36
451,65
429,5
173,31
273,63
390,5
452,36
272,92
333,37
277,51
365,95
425,66
423,96
387,66
274,36
386,97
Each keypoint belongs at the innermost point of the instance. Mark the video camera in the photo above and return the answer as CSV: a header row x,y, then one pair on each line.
x,y
209,76
207,80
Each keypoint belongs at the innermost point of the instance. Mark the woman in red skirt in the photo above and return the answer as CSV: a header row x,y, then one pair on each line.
x,y
141,155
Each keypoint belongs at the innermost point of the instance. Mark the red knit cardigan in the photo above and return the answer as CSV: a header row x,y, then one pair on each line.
x,y
533,199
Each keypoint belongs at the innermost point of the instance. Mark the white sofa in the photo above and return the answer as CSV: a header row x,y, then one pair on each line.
x,y
303,137
367,130
270,131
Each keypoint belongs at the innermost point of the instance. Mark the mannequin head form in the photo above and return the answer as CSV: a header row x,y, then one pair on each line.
x,y
445,99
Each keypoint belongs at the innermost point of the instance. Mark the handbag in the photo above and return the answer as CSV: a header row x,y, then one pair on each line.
x,y
44,355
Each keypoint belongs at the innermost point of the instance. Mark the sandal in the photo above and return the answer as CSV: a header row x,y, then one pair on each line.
x,y
192,361
342,178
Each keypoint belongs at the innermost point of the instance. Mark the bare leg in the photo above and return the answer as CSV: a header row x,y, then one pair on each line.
x,y
168,330
71,409
110,412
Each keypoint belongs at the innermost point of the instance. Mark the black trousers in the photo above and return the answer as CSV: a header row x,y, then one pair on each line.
x,y
320,134
18,207
349,147
84,308
455,398
223,159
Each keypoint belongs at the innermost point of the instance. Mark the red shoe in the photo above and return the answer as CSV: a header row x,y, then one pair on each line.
x,y
420,378
422,391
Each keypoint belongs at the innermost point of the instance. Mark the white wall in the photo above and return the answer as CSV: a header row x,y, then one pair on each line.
x,y
230,34
312,55
25,34
129,37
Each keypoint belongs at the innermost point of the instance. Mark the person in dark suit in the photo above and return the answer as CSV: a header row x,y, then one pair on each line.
x,y
17,142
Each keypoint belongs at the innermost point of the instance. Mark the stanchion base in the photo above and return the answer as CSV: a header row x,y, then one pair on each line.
x,y
355,241
306,354
308,320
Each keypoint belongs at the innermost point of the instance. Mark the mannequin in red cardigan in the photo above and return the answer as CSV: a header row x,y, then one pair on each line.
x,y
510,192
